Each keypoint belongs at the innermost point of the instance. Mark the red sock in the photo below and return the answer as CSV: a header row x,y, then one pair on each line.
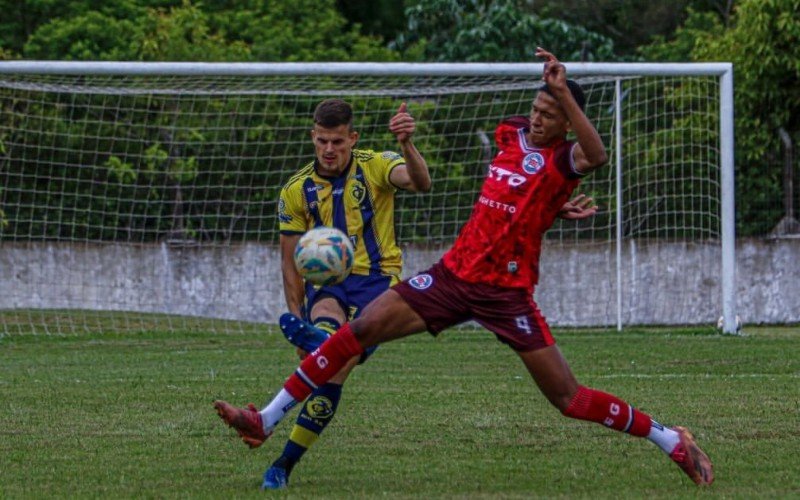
x,y
324,363
609,410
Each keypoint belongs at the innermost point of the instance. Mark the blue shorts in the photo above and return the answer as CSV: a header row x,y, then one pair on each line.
x,y
353,295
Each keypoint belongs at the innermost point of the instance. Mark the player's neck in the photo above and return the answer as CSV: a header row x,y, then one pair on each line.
x,y
531,143
332,172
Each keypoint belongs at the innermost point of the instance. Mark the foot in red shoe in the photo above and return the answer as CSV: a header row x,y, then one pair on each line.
x,y
246,421
691,459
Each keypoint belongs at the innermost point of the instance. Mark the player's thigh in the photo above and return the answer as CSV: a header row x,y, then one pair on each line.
x,y
512,315
388,317
328,307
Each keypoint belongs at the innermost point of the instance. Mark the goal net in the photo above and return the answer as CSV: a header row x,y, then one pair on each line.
x,y
136,197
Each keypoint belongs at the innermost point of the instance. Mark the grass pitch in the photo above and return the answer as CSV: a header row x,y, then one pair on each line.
x,y
130,415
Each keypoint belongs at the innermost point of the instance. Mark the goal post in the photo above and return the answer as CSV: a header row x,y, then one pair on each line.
x,y
140,193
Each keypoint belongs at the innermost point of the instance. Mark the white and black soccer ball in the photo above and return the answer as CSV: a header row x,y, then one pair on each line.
x,y
324,256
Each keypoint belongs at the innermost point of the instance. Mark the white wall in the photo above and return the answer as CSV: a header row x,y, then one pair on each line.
x,y
668,283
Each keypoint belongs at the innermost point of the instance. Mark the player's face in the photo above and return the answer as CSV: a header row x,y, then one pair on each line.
x,y
333,147
548,120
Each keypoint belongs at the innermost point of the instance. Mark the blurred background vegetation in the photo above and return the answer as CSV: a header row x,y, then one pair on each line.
x,y
760,37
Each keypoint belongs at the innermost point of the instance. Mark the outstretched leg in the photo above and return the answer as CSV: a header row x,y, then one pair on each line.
x,y
319,409
387,318
552,374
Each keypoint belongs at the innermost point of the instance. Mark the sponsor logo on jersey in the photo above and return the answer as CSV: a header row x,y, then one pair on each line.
x,y
501,174
282,215
505,207
532,163
421,281
390,155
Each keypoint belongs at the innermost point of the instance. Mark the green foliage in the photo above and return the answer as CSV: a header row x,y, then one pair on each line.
x,y
476,30
630,23
91,36
384,18
184,34
762,43
301,30
680,47
269,30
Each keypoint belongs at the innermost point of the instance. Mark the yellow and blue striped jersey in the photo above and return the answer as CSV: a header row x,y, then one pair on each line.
x,y
360,202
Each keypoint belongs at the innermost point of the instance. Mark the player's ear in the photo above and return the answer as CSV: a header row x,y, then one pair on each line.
x,y
353,137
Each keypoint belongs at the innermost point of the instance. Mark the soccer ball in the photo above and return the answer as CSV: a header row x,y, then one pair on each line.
x,y
738,323
324,256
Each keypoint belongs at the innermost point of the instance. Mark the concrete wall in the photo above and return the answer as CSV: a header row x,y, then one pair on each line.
x,y
665,283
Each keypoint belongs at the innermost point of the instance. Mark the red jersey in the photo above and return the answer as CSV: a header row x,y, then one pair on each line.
x,y
520,199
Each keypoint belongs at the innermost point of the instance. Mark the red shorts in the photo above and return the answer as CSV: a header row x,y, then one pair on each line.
x,y
443,300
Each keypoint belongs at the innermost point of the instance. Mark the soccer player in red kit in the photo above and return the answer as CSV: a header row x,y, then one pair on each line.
x,y
489,276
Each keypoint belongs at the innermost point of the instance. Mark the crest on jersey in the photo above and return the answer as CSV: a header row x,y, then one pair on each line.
x,y
357,191
421,281
532,163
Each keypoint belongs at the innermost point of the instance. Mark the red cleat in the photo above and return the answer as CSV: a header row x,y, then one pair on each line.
x,y
691,459
246,421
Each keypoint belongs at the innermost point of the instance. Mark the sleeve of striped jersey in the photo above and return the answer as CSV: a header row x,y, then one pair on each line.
x,y
292,210
389,160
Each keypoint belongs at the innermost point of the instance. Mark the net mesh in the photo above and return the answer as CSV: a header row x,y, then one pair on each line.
x,y
132,200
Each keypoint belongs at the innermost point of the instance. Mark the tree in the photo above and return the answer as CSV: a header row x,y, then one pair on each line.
x,y
384,18
301,30
162,30
630,23
476,30
761,41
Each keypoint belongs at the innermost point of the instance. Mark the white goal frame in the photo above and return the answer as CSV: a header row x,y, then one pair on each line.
x,y
722,70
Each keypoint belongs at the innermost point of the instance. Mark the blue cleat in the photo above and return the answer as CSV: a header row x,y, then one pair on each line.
x,y
275,478
301,334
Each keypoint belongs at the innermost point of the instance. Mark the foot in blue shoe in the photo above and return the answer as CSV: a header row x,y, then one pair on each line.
x,y
275,478
301,334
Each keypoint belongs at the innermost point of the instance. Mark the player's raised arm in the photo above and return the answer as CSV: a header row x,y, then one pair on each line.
x,y
590,152
414,175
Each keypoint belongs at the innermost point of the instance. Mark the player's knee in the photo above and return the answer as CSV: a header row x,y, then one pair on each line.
x,y
363,330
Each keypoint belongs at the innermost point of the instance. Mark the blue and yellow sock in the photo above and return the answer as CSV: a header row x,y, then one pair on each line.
x,y
327,325
316,414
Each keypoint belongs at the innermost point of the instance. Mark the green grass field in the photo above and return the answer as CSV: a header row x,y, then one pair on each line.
x,y
130,415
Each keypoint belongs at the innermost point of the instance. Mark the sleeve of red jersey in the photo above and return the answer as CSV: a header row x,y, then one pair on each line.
x,y
506,131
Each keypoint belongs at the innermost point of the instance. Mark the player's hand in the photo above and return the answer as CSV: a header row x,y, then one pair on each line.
x,y
580,207
402,124
301,353
555,73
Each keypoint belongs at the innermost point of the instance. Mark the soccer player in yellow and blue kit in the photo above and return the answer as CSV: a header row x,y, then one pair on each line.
x,y
352,190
